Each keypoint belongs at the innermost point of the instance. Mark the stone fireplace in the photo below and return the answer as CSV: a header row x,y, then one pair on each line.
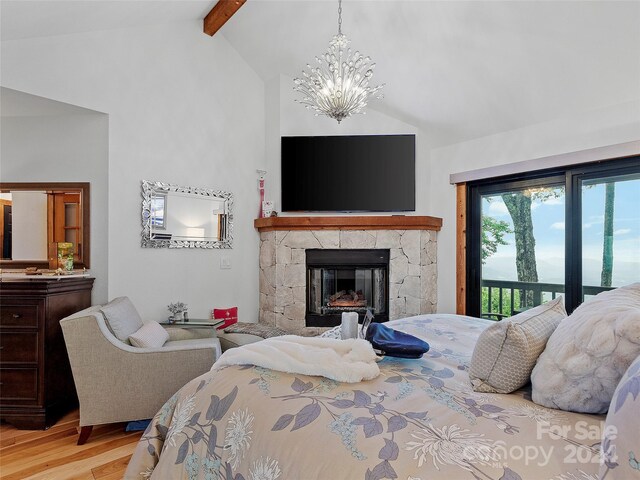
x,y
287,246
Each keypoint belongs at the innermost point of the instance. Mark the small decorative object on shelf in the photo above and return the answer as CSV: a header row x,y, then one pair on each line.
x,y
267,208
261,174
61,256
178,311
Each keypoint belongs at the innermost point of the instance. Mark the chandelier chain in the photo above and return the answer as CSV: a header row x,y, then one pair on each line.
x,y
339,17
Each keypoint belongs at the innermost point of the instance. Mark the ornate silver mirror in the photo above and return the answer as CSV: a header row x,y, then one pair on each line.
x,y
185,217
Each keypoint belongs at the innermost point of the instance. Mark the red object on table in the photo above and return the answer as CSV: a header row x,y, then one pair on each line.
x,y
229,315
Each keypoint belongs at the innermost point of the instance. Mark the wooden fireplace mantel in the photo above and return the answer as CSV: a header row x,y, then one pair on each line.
x,y
389,222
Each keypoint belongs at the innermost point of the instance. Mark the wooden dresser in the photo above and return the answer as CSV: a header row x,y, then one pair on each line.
x,y
36,385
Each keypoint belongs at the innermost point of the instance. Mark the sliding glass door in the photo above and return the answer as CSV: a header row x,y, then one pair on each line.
x,y
610,231
572,232
521,245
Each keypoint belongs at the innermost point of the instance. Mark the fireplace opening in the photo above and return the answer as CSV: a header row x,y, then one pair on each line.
x,y
346,281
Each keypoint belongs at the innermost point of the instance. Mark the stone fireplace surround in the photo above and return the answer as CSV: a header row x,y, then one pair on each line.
x,y
412,241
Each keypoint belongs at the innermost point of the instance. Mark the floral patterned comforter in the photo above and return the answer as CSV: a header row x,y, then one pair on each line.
x,y
418,420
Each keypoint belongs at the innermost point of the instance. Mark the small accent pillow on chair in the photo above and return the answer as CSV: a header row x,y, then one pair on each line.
x,y
229,315
506,351
150,335
589,352
122,318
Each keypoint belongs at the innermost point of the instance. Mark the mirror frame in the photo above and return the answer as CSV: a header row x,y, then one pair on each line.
x,y
85,189
149,188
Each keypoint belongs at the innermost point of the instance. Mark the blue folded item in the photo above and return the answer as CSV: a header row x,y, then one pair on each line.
x,y
393,343
137,425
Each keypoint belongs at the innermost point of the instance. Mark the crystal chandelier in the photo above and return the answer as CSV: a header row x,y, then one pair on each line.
x,y
338,86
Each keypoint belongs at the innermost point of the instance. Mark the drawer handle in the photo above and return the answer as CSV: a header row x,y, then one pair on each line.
x,y
16,315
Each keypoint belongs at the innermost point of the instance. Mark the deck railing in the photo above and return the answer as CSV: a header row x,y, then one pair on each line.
x,y
503,298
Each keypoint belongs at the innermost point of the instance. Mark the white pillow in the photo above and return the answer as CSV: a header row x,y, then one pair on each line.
x,y
122,318
150,335
506,351
589,352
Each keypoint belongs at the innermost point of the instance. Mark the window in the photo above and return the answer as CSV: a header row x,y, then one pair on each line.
x,y
572,232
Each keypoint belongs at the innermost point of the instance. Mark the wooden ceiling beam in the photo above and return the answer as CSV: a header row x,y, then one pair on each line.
x,y
220,14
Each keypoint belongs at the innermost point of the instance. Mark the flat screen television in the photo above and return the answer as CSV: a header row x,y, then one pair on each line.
x,y
365,173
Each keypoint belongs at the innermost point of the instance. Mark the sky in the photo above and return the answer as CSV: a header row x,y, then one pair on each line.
x,y
549,230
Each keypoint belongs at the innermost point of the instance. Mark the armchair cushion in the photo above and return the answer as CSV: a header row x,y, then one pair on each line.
x,y
151,334
122,318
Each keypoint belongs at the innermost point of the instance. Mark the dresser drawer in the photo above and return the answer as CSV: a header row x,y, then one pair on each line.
x,y
19,383
18,315
18,347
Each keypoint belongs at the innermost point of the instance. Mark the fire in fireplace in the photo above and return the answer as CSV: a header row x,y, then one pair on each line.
x,y
346,281
348,299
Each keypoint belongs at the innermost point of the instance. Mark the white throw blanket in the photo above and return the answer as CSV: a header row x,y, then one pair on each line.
x,y
347,361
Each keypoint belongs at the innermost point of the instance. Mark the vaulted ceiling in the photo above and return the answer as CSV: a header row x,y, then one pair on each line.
x,y
458,70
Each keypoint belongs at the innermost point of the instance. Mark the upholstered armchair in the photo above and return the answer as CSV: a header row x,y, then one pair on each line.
x,y
117,382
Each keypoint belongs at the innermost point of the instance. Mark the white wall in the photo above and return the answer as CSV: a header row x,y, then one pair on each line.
x,y
183,108
285,117
607,126
29,226
69,148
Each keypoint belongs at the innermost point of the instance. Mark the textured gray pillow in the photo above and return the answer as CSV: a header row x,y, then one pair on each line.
x,y
506,352
589,352
122,318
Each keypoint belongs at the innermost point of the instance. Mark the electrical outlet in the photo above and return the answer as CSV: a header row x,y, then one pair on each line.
x,y
225,263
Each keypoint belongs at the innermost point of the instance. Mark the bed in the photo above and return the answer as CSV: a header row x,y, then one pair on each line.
x,y
418,420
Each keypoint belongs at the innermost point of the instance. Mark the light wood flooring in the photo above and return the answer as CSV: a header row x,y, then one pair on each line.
x,y
53,454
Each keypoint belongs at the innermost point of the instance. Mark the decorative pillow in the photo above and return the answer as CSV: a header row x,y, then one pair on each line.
x,y
229,315
620,447
588,353
122,318
150,335
507,351
258,329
